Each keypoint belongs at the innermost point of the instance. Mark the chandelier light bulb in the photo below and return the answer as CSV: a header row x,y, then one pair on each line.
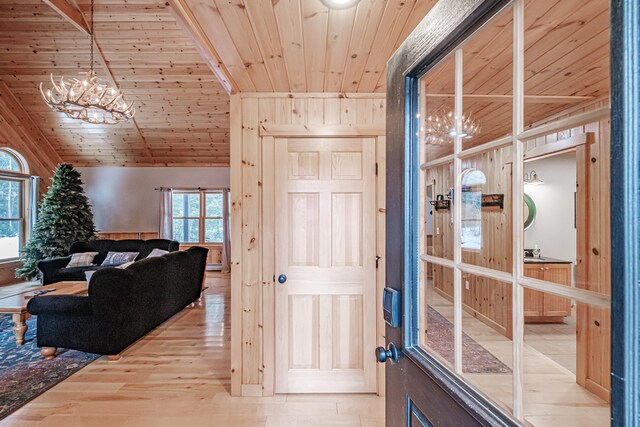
x,y
441,127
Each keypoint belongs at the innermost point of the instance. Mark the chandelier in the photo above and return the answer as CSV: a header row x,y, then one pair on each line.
x,y
87,98
440,127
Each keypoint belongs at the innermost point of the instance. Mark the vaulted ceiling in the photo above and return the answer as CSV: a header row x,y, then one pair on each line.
x,y
182,113
170,57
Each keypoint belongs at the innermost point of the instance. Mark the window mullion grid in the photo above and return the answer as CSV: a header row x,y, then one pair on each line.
x,y
518,209
457,215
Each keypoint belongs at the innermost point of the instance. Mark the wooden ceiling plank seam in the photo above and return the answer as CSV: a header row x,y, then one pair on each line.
x,y
289,18
315,21
341,27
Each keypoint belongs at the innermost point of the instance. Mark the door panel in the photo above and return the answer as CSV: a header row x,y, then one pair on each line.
x,y
325,310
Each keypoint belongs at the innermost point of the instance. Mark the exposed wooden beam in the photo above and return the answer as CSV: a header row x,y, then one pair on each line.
x,y
70,13
190,25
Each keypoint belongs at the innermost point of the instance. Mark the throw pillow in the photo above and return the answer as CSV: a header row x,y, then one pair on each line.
x,y
81,259
157,252
125,265
117,258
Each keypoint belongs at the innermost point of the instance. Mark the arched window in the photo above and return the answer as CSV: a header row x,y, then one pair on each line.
x,y
471,231
13,180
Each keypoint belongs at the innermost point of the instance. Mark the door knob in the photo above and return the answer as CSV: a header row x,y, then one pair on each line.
x,y
391,352
282,278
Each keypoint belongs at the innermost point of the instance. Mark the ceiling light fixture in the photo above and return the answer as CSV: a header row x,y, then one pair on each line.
x,y
88,99
440,127
339,4
532,178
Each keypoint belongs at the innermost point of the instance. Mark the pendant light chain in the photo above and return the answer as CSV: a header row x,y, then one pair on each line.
x,y
91,36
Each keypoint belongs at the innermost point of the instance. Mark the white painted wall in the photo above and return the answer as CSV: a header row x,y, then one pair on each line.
x,y
124,199
553,229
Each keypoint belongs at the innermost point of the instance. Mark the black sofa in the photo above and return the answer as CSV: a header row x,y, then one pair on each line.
x,y
123,305
53,269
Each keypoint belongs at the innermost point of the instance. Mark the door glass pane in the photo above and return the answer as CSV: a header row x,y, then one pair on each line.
x,y
486,228
436,313
487,102
436,116
566,356
487,346
566,58
10,238
213,204
213,231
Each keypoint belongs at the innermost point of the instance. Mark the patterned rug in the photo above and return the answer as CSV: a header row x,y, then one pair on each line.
x,y
24,374
475,358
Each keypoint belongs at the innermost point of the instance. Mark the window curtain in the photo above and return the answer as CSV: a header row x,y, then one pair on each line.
x,y
166,214
34,198
226,241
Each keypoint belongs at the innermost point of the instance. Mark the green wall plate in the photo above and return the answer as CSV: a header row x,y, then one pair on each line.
x,y
529,211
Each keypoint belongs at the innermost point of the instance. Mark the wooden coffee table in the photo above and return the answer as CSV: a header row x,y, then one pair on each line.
x,y
16,304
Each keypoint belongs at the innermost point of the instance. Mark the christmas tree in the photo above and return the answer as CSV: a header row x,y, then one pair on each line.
x,y
64,217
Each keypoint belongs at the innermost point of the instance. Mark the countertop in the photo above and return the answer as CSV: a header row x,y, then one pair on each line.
x,y
545,260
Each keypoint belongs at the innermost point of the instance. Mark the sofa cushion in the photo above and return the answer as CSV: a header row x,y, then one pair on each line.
x,y
117,258
81,259
156,253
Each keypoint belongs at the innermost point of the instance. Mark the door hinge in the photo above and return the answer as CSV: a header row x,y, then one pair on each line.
x,y
377,260
274,278
376,168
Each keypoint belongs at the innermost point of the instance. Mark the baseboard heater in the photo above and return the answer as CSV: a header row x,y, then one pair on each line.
x,y
214,267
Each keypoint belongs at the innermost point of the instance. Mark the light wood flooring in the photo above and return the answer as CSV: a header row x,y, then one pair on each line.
x,y
178,375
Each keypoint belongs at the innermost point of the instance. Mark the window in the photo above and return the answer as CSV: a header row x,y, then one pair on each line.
x,y
12,219
471,227
197,216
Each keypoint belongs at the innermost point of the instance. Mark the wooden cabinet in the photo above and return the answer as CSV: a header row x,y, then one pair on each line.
x,y
540,307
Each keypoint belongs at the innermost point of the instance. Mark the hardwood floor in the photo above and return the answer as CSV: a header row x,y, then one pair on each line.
x,y
178,375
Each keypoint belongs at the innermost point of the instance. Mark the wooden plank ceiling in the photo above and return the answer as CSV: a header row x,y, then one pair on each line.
x,y
301,45
182,110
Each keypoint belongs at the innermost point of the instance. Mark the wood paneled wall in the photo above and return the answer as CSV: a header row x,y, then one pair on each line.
x,y
489,300
20,133
255,118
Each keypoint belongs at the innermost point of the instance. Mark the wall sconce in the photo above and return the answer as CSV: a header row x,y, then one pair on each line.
x,y
531,178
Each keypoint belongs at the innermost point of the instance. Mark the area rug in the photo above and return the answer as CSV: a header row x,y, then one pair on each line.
x,y
475,358
24,374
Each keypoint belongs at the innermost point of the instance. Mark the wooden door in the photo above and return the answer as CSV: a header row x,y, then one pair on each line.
x,y
325,245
